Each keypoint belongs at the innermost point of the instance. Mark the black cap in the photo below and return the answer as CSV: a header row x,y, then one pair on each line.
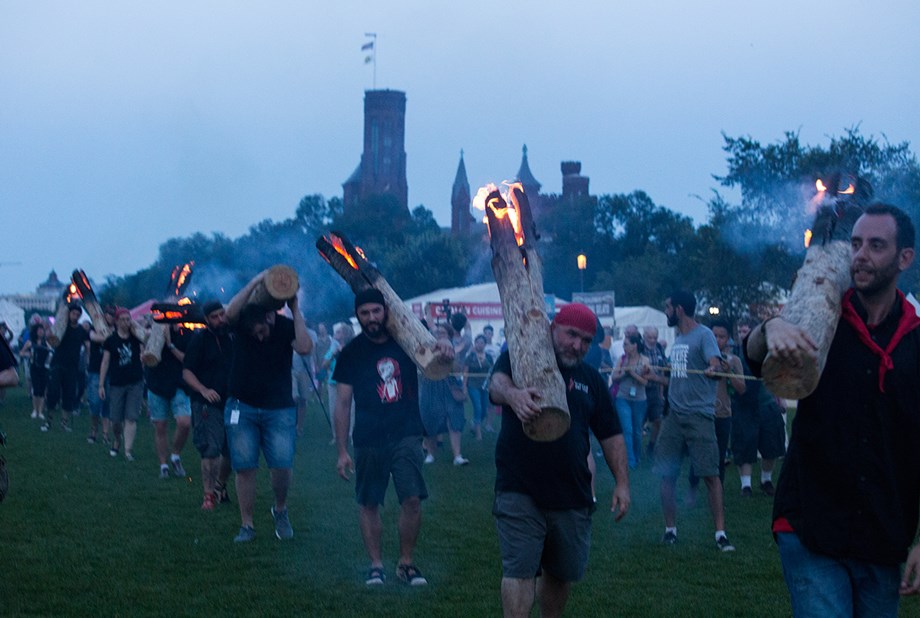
x,y
370,295
210,307
74,304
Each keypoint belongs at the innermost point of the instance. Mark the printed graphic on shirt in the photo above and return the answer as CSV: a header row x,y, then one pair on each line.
x,y
124,354
578,386
389,388
679,355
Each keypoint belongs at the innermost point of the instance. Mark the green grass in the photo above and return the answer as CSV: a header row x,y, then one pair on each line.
x,y
84,534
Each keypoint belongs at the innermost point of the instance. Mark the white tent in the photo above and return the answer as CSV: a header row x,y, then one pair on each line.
x,y
642,316
14,316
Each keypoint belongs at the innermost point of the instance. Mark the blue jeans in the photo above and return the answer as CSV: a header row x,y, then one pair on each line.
x,y
97,407
822,586
480,400
632,417
249,430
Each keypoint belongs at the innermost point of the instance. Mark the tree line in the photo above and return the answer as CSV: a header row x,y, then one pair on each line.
x,y
743,257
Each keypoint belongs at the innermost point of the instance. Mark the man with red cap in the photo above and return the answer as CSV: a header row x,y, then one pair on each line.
x,y
543,500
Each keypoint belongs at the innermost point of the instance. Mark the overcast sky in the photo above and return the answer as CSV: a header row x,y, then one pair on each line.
x,y
123,124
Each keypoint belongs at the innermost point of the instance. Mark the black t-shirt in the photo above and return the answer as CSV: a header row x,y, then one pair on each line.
x,y
67,353
555,474
260,375
209,356
42,354
95,357
124,360
164,379
385,384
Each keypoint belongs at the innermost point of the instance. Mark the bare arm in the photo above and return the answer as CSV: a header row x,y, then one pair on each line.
x,y
103,372
910,581
303,343
239,300
192,380
523,401
614,449
343,393
739,383
782,339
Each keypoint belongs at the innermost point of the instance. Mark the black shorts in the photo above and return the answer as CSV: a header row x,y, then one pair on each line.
x,y
208,434
761,429
532,539
39,381
375,464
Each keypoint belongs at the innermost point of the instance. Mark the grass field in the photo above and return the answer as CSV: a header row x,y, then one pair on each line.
x,y
84,534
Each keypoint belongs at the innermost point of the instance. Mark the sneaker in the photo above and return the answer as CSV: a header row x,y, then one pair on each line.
x,y
46,427
164,472
129,456
375,577
91,439
283,528
460,460
410,574
767,488
41,416
208,503
221,495
746,492
178,470
246,534
669,538
34,414
113,452
429,458
724,544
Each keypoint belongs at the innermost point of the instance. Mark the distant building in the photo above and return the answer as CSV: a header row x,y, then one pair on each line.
x,y
462,222
382,170
44,299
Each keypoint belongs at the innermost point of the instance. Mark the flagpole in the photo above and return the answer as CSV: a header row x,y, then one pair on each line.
x,y
373,43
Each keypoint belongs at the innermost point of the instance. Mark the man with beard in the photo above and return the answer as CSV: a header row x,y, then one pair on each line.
x,y
206,370
260,414
387,435
64,385
690,425
846,507
543,499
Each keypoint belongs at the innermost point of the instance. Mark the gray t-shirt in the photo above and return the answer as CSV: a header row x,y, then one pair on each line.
x,y
690,392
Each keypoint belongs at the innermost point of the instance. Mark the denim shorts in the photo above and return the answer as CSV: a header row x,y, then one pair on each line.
x,y
532,539
97,407
159,407
250,430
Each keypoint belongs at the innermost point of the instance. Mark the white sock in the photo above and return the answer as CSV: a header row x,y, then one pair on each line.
x,y
164,467
766,477
720,534
672,530
745,480
174,457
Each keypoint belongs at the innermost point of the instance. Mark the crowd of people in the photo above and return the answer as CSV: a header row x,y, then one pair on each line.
x,y
846,503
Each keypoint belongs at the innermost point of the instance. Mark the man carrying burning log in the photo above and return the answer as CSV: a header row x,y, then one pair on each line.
x,y
206,370
260,414
846,507
387,436
543,501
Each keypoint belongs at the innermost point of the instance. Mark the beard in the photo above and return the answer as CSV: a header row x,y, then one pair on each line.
x,y
879,278
672,319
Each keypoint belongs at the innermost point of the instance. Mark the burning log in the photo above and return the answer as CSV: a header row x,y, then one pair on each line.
x,y
815,302
405,328
518,272
90,302
279,285
177,313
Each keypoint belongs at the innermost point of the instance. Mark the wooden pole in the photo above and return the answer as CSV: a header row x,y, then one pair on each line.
x,y
815,301
519,274
279,285
403,325
90,302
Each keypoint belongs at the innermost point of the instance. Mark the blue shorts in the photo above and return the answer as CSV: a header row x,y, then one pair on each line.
x,y
160,406
249,430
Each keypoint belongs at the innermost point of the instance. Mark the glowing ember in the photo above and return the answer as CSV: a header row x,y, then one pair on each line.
x,y
819,185
337,244
807,238
850,190
185,301
510,210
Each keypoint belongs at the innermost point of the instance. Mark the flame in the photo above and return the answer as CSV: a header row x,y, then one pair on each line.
x,y
73,292
337,244
184,301
500,212
819,185
807,238
850,190
191,325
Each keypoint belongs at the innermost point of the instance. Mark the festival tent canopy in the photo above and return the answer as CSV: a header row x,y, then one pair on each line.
x,y
142,309
13,315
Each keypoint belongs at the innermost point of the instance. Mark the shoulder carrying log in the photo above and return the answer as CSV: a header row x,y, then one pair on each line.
x,y
279,286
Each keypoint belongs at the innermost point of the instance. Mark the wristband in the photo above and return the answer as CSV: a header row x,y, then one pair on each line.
x,y
763,330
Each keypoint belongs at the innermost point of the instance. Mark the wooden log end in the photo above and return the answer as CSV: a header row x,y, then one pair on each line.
x,y
790,382
149,359
551,425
